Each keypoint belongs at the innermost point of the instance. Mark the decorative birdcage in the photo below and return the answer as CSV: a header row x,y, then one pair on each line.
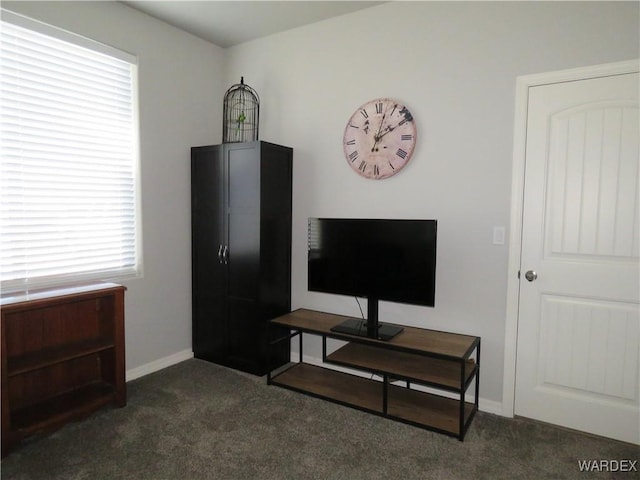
x,y
241,114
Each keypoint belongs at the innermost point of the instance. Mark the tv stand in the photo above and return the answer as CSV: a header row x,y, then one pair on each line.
x,y
447,363
358,327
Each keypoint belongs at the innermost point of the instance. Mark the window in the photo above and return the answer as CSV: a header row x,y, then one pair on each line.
x,y
69,165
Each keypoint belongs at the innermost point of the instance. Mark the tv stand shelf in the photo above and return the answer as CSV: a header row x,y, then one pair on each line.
x,y
443,362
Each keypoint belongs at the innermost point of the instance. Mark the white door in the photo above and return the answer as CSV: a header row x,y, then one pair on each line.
x,y
579,323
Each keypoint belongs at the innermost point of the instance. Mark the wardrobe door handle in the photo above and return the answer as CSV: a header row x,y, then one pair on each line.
x,y
225,254
220,254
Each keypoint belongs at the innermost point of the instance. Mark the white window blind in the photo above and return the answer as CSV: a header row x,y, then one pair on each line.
x,y
69,166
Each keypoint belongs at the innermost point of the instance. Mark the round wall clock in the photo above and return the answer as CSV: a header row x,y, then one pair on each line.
x,y
379,138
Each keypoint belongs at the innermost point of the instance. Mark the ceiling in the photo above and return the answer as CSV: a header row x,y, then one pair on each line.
x,y
229,23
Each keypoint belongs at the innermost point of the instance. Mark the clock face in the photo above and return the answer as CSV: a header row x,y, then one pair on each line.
x,y
379,138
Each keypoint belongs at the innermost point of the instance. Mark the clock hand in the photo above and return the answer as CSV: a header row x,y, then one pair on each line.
x,y
377,136
381,123
386,130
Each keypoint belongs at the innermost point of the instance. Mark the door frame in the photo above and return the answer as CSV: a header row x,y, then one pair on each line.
x,y
523,83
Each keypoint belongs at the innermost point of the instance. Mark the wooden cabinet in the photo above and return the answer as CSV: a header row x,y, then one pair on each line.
x,y
241,251
63,357
446,364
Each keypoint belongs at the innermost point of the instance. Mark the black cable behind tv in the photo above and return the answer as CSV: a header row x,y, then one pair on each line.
x,y
370,327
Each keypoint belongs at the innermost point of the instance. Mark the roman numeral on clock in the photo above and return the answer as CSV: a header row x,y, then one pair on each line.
x,y
407,137
401,153
353,155
378,107
353,142
364,113
376,170
362,166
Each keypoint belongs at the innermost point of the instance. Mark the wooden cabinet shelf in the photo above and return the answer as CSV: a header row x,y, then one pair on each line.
x,y
62,408
62,358
41,359
443,362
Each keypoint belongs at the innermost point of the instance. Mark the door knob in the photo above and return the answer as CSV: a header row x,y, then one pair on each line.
x,y
531,275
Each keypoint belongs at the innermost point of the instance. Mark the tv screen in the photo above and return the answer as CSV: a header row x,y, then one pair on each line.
x,y
392,260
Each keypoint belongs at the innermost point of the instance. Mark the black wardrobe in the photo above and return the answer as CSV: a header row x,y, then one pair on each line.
x,y
241,252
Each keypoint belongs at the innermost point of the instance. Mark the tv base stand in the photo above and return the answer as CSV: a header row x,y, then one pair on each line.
x,y
447,364
358,327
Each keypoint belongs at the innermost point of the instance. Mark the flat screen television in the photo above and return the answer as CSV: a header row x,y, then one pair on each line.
x,y
391,260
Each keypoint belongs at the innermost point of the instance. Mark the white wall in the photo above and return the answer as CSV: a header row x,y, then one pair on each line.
x,y
181,90
454,65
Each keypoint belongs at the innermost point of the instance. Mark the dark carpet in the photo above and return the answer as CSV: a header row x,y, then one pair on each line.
x,y
197,420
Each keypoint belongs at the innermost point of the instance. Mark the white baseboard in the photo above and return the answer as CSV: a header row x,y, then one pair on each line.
x,y
159,364
484,405
491,406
